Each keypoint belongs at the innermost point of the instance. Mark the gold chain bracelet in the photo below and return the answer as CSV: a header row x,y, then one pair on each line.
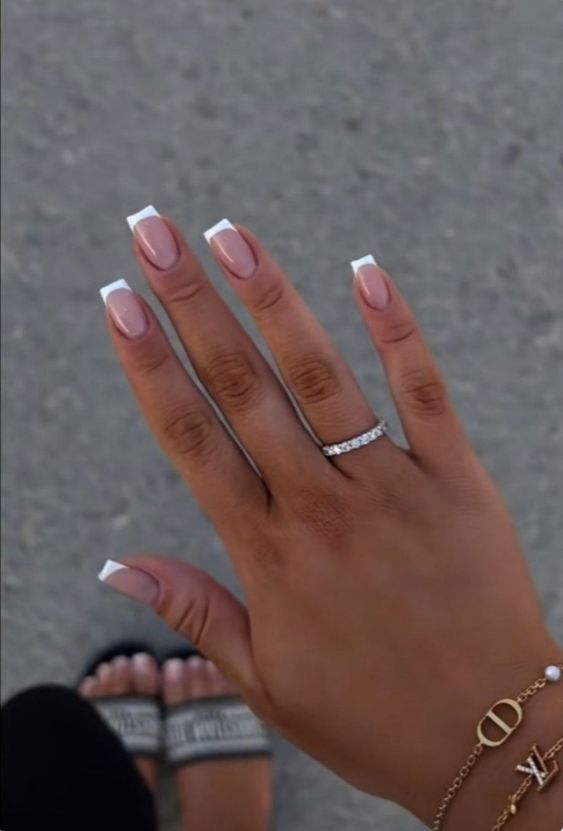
x,y
551,674
540,774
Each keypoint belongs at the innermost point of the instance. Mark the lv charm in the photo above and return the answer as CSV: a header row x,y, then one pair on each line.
x,y
535,766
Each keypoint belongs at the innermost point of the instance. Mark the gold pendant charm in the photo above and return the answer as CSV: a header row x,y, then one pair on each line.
x,y
534,765
507,729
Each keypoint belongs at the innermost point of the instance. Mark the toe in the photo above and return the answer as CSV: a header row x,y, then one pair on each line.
x,y
104,677
221,685
173,685
122,676
146,674
197,678
87,687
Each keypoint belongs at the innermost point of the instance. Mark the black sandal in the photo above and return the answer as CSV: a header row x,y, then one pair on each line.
x,y
211,728
137,720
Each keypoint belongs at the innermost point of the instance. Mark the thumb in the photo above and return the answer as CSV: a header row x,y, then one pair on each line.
x,y
194,605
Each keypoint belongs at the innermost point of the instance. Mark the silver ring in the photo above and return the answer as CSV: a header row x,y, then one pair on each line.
x,y
355,442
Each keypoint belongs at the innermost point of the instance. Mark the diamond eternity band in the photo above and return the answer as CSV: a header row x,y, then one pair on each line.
x,y
355,442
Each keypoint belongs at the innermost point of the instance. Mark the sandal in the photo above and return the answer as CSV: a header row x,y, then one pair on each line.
x,y
218,727
137,720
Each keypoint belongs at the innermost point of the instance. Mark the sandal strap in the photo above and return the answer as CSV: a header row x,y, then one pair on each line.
x,y
213,728
137,722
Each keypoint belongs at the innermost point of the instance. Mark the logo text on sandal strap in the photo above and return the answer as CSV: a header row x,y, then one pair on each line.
x,y
507,729
534,765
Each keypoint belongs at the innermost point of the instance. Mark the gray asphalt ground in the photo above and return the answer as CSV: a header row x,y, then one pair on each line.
x,y
430,133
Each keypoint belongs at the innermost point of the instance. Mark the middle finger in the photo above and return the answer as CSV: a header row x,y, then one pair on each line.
x,y
224,357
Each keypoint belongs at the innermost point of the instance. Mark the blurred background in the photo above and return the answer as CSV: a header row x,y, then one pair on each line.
x,y
429,133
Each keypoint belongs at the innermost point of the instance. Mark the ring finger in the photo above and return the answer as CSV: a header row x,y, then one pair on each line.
x,y
318,377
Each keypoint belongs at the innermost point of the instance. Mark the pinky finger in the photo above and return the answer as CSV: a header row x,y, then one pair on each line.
x,y
429,420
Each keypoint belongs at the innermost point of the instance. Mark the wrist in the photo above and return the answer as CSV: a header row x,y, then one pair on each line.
x,y
484,792
495,779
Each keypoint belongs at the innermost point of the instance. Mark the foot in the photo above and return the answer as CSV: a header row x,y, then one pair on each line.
x,y
122,676
230,794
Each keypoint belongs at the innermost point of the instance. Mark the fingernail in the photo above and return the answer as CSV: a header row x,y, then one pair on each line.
x,y
173,669
231,248
373,285
154,237
132,582
125,309
195,662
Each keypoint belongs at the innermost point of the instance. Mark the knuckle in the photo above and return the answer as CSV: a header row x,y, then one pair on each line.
x,y
424,393
233,380
148,362
181,293
269,299
314,379
400,331
396,493
189,619
190,434
325,513
265,550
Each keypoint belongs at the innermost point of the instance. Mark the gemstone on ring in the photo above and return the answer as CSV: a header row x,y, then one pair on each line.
x,y
355,442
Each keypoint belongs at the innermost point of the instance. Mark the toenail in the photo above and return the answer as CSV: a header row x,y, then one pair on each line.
x,y
173,669
142,660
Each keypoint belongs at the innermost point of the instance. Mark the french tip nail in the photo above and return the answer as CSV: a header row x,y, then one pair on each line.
x,y
367,260
110,567
150,210
219,226
117,284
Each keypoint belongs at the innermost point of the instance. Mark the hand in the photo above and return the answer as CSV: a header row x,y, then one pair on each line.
x,y
387,601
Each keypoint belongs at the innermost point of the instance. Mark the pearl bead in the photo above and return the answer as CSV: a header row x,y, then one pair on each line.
x,y
552,673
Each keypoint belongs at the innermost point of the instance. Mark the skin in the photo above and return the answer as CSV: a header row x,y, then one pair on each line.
x,y
387,602
234,794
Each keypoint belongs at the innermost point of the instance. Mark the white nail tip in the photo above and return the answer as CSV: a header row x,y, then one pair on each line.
x,y
150,210
110,568
117,284
220,226
367,260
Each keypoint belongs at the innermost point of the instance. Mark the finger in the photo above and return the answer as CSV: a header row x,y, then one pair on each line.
x,y
225,358
181,418
428,417
321,382
193,605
